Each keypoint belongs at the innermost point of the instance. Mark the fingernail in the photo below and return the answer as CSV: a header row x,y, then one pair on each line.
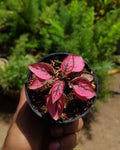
x,y
56,132
54,146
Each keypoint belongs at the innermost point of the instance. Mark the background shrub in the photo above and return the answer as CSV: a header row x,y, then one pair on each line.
x,y
14,74
82,27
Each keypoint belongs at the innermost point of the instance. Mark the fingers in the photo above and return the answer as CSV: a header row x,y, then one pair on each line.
x,y
68,142
73,127
22,101
22,95
70,128
22,98
65,135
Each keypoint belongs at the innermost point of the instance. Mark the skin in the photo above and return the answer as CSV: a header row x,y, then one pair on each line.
x,y
29,132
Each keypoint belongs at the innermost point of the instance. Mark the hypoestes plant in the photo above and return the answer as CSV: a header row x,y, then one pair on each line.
x,y
71,74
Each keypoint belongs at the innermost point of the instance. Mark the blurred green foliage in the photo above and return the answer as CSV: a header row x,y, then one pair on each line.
x,y
58,26
14,73
101,7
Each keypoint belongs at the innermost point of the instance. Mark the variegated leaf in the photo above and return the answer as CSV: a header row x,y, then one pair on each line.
x,y
56,109
87,76
37,83
57,90
67,64
83,88
78,63
52,108
42,70
60,105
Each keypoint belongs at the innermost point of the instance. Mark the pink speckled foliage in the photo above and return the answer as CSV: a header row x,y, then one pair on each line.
x,y
81,84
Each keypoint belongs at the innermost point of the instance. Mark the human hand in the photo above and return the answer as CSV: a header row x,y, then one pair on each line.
x,y
29,132
65,136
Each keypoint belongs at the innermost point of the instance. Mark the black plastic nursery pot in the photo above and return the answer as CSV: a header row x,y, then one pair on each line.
x,y
46,59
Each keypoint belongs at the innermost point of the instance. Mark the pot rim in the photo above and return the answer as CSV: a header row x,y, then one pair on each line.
x,y
64,121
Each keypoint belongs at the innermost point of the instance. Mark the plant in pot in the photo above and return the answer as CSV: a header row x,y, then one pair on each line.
x,y
61,87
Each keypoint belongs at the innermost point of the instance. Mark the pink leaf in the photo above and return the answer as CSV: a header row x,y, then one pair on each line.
x,y
52,108
60,105
55,109
42,70
57,90
87,76
67,64
37,83
83,88
78,63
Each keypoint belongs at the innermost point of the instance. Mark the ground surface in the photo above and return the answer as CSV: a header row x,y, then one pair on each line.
x,y
101,131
